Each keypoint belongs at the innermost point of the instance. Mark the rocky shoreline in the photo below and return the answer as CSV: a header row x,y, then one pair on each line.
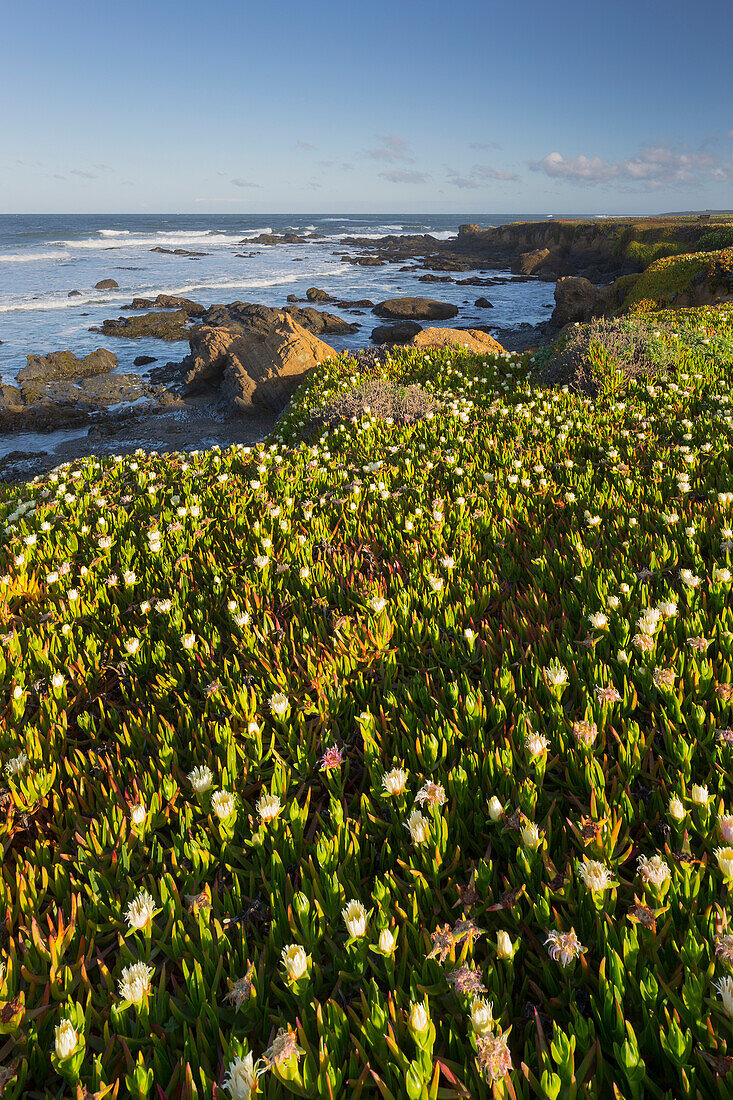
x,y
245,359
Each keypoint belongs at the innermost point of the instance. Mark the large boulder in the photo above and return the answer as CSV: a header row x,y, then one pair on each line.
x,y
163,326
472,339
399,333
416,309
576,299
85,394
106,284
255,368
64,364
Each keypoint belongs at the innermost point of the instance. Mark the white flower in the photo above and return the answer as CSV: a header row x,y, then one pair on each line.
x,y
279,704
129,577
138,813
394,782
295,961
268,807
482,1015
531,838
596,876
536,744
189,641
262,561
132,645
135,982
654,871
417,825
377,604
436,583
201,778
355,918
16,764
598,620
721,576
724,857
688,578
57,680
555,674
241,1078
700,794
66,1039
725,824
140,910
222,803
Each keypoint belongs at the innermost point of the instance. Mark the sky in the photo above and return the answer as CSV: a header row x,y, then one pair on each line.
x,y
420,106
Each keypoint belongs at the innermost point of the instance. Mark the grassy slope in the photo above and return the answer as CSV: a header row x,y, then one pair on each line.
x,y
551,509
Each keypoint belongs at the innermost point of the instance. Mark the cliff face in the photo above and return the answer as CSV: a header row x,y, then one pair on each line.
x,y
601,250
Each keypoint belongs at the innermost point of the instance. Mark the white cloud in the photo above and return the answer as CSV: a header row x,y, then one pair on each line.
x,y
478,176
404,177
244,183
654,166
391,148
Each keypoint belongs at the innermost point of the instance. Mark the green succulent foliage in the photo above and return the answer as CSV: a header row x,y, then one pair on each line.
x,y
313,750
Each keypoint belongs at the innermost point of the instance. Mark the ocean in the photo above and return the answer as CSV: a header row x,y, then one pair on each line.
x,y
44,257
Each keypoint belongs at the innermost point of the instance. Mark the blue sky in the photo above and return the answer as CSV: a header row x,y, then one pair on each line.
x,y
522,106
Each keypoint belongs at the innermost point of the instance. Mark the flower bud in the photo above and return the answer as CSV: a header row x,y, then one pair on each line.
x,y
295,961
482,1016
495,808
66,1039
386,942
504,946
419,1019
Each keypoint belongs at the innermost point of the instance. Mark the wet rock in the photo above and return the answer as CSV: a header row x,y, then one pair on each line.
x,y
140,303
436,279
162,326
143,360
177,252
363,261
472,339
74,294
274,238
530,263
170,301
314,294
85,394
483,303
10,397
255,368
422,309
64,364
401,333
106,284
292,298
245,317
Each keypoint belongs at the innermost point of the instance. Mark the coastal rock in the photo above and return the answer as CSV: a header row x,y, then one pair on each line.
x,y
170,301
245,317
436,279
471,339
274,238
576,299
314,294
529,263
143,360
400,333
176,252
64,364
10,397
363,261
255,368
416,309
162,326
85,394
483,303
106,284
74,294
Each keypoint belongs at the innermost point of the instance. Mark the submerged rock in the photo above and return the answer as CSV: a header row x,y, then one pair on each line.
x,y
314,294
106,284
64,364
416,309
484,303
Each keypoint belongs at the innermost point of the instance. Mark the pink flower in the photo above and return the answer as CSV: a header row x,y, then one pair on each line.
x,y
332,758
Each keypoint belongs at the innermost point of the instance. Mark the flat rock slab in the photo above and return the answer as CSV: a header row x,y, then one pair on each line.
x,y
162,326
416,309
64,364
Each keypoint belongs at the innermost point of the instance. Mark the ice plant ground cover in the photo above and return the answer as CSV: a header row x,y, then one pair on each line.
x,y
391,764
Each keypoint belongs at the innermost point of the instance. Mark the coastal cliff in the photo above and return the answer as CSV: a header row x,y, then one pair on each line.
x,y
599,249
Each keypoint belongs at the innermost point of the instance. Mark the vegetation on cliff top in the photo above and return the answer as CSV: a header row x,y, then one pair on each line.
x,y
391,765
674,278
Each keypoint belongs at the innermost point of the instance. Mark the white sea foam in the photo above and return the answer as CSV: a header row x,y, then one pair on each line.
x,y
29,257
114,232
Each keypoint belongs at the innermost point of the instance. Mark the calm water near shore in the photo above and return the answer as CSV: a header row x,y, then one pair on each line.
x,y
43,257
